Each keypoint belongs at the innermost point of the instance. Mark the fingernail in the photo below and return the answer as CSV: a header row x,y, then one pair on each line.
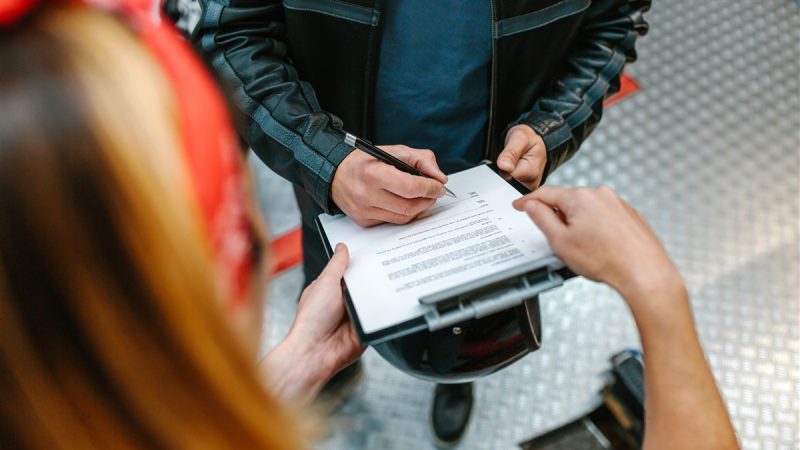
x,y
441,193
530,207
338,247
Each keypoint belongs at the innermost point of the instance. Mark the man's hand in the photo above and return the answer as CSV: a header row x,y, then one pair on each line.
x,y
601,237
524,156
373,192
321,342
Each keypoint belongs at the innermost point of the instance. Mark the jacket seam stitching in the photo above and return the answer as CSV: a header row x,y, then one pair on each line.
x,y
615,64
358,14
259,108
520,24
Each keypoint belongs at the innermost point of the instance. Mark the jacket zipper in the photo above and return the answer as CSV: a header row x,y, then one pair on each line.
x,y
367,125
487,150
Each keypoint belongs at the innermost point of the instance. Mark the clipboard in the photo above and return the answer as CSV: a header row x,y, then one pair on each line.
x,y
479,298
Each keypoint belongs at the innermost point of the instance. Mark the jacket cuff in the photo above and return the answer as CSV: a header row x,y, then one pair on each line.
x,y
322,191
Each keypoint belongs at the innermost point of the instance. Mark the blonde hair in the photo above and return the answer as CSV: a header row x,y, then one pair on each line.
x,y
111,332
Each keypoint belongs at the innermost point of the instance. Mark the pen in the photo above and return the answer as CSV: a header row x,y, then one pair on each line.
x,y
367,147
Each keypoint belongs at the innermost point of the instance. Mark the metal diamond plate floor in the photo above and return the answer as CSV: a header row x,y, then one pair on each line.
x,y
709,150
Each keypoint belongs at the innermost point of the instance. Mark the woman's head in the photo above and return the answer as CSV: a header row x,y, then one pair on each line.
x,y
111,324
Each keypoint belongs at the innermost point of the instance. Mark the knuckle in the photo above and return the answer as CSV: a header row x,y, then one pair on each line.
x,y
406,209
409,187
583,194
434,187
360,195
606,191
396,219
405,219
369,172
428,189
418,207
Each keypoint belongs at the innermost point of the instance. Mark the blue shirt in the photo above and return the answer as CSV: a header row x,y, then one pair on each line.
x,y
432,87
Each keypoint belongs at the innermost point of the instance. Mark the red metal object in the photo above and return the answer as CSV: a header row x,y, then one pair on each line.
x,y
627,87
285,251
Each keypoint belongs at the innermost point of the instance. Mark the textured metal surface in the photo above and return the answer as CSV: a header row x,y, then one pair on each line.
x,y
710,152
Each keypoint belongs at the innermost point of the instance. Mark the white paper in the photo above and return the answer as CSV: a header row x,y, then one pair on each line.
x,y
457,240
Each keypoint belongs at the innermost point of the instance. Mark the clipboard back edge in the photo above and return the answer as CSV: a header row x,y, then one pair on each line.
x,y
377,337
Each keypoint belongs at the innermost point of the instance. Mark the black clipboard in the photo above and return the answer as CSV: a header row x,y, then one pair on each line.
x,y
481,297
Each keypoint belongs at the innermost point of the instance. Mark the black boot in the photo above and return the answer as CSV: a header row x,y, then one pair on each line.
x,y
452,406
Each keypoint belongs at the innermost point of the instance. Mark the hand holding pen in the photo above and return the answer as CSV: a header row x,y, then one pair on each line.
x,y
368,148
372,191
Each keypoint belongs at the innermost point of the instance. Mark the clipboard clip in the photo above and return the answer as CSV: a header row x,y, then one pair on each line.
x,y
492,296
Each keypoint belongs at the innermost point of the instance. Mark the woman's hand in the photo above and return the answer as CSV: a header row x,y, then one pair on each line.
x,y
322,340
322,324
601,237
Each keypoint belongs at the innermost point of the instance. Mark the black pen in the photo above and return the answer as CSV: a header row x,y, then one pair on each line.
x,y
367,147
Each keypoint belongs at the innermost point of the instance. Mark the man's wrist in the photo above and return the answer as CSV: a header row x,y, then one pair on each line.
x,y
342,152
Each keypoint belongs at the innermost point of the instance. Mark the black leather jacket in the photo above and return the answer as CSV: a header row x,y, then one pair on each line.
x,y
303,70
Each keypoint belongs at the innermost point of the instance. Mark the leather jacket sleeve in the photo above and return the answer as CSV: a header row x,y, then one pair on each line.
x,y
566,114
244,41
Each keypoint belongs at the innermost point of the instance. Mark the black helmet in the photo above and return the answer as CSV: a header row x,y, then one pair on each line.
x,y
468,350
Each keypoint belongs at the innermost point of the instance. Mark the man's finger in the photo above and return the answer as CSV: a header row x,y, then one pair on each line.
x,y
410,186
545,218
338,264
515,147
366,223
386,216
421,159
555,196
528,172
401,205
425,162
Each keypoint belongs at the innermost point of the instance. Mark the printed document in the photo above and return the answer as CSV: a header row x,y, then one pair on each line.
x,y
457,240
